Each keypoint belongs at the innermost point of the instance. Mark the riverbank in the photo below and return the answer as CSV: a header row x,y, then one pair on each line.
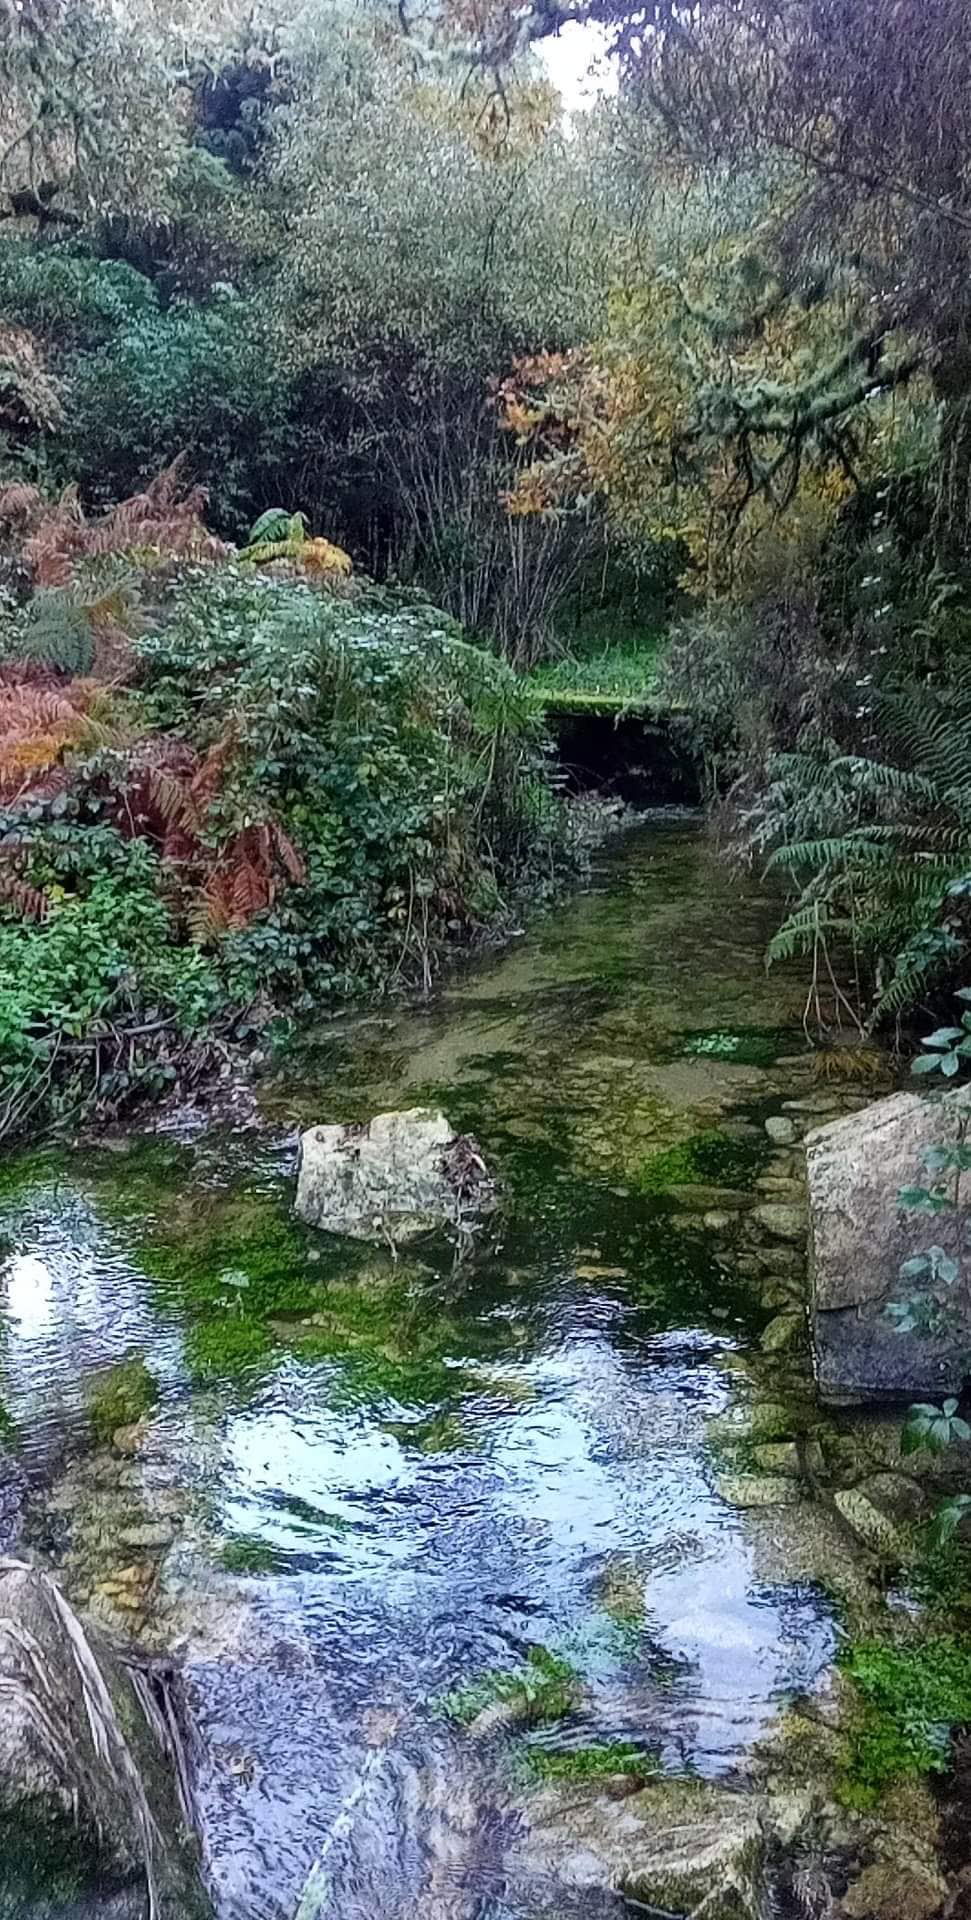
x,y
230,798
583,1475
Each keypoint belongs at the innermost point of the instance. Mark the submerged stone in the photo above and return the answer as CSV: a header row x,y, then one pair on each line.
x,y
400,1175
785,1331
674,1846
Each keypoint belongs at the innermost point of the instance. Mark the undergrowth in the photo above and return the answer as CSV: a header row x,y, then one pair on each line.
x,y
227,796
912,1700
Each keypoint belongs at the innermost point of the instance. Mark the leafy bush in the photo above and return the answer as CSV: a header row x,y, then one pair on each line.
x,y
308,793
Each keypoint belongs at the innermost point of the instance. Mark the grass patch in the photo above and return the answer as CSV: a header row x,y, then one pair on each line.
x,y
618,678
120,1398
912,1699
544,1689
590,1763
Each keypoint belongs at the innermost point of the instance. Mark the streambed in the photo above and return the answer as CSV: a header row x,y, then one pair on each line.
x,y
368,1498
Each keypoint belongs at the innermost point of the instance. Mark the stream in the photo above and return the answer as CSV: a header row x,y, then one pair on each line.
x,y
365,1498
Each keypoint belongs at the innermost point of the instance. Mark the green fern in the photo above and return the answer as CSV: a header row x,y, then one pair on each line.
x,y
276,524
877,847
56,632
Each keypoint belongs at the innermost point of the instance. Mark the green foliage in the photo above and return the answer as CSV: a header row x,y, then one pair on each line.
x,y
406,782
950,1047
933,1428
56,632
207,377
121,1397
105,960
880,849
543,1690
913,1698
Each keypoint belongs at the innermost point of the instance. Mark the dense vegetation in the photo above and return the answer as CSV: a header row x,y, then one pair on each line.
x,y
348,282
229,790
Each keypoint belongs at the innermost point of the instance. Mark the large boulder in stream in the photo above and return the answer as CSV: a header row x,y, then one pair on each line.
x,y
400,1175
91,1814
860,1237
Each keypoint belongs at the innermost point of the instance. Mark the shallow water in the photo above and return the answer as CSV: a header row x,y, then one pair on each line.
x,y
372,1481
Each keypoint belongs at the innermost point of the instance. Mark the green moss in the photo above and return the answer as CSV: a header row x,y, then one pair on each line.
x,y
590,1763
220,1349
120,1397
542,1690
707,1159
46,1860
441,1433
248,1555
940,1574
245,1249
911,1699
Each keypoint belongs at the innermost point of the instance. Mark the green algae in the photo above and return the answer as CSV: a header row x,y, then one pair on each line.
x,y
598,1762
223,1349
747,1047
709,1158
544,1689
441,1432
245,1554
46,1861
121,1397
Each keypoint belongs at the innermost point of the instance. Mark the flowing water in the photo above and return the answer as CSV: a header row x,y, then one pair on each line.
x,y
370,1484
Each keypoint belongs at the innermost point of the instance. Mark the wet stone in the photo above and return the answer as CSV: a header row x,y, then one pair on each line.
x,y
781,1129
783,1222
785,1331
153,1536
756,1490
881,1512
778,1456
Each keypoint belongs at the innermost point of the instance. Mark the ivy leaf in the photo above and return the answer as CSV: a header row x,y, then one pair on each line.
x,y
925,1063
923,1200
917,1264
931,1428
950,1065
948,1518
943,1037
943,1266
